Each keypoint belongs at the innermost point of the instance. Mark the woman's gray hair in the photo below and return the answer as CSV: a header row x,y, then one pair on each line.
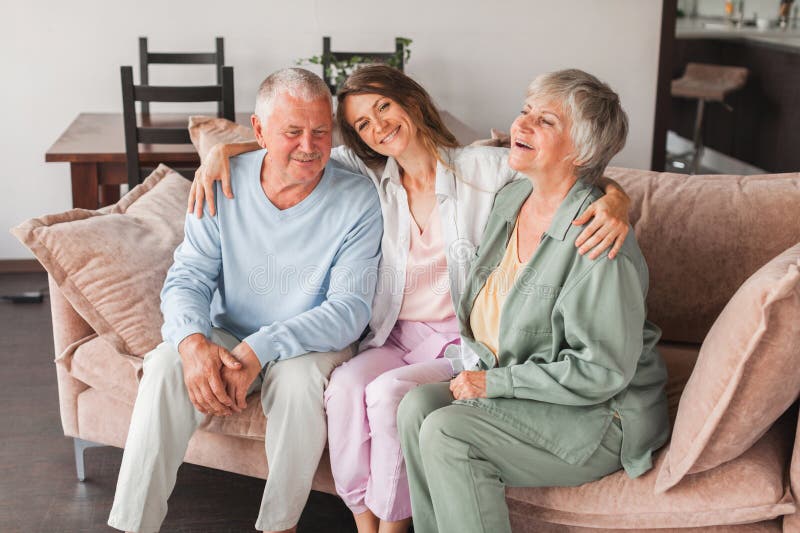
x,y
599,124
296,82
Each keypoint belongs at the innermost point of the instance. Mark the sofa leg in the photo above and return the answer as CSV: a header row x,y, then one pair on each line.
x,y
80,447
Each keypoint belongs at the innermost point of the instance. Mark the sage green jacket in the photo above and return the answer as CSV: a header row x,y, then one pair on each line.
x,y
575,348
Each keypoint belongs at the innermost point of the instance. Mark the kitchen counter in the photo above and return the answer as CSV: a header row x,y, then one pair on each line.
x,y
709,28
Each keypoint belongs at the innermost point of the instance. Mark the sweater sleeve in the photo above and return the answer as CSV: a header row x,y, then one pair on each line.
x,y
603,316
344,314
192,280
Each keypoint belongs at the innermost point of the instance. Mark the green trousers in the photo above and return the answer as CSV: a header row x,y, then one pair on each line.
x,y
460,458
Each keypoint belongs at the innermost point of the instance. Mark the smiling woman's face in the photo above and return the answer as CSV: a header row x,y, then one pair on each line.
x,y
381,123
540,139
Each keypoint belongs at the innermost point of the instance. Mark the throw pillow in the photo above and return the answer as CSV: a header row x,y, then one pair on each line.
x,y
205,132
746,374
111,264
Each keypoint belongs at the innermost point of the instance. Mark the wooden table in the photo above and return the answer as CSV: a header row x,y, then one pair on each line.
x,y
94,146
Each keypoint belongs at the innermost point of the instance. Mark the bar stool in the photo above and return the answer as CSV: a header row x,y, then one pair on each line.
x,y
705,83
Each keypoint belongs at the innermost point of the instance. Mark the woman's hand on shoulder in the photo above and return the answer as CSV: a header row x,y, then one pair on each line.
x,y
469,384
608,227
216,167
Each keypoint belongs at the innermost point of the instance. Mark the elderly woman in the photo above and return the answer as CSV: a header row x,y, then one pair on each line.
x,y
436,199
570,386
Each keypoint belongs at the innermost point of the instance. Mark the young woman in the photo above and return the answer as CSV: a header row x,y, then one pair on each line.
x,y
436,198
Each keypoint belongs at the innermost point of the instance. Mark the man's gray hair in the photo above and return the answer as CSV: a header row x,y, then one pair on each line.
x,y
599,124
296,82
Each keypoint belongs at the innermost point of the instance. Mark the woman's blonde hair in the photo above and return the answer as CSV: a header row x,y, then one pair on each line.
x,y
391,83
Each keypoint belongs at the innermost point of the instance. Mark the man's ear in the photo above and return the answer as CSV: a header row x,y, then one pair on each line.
x,y
258,130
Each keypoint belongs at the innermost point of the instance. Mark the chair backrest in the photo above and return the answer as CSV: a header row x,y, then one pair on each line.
x,y
135,134
147,58
369,57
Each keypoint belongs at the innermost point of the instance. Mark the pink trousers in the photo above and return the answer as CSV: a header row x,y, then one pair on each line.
x,y
361,403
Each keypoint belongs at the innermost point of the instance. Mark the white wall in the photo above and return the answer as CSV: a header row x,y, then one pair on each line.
x,y
475,57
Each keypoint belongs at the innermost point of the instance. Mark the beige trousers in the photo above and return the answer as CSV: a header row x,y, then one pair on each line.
x,y
164,420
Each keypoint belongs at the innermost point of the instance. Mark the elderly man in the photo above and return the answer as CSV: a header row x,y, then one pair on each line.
x,y
269,294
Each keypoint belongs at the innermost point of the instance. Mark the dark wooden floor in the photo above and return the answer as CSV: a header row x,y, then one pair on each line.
x,y
39,490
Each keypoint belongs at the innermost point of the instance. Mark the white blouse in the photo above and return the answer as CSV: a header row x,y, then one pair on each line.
x,y
465,194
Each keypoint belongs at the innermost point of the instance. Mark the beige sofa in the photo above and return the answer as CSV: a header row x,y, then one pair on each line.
x,y
703,237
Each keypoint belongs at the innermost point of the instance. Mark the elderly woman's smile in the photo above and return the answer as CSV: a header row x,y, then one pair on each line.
x,y
540,138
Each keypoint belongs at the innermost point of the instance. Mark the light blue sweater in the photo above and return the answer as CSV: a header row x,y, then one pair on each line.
x,y
287,282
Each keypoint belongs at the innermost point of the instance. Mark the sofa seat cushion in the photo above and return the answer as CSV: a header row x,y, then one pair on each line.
x,y
748,489
96,363
524,523
110,264
250,423
104,419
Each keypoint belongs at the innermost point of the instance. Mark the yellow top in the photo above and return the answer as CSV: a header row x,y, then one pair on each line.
x,y
485,317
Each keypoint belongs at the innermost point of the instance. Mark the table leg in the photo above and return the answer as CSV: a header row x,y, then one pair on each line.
x,y
109,194
85,191
111,176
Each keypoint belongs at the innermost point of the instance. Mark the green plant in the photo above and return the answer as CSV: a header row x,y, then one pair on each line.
x,y
337,70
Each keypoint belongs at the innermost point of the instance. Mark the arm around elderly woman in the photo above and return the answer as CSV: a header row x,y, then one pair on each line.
x,y
567,359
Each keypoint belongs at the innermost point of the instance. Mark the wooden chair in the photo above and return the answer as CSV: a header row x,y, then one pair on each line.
x,y
369,57
148,133
147,58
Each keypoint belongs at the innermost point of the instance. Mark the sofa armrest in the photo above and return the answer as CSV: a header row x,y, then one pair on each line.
x,y
69,389
69,330
68,326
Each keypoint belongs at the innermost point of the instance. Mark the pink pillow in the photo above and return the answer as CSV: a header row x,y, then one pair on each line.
x,y
499,139
111,264
205,132
746,375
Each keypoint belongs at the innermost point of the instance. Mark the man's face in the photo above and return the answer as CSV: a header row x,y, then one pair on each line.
x,y
297,137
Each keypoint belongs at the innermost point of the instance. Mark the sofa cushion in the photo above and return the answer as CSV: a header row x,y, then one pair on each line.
x,y
104,418
680,360
746,375
498,139
110,264
96,363
703,236
522,522
748,489
250,423
206,132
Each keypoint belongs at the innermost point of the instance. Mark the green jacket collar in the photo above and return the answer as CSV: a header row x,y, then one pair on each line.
x,y
510,205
